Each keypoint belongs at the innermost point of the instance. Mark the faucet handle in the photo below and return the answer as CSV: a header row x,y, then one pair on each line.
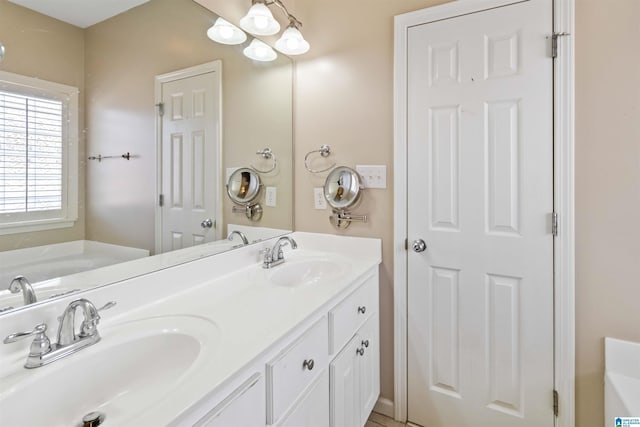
x,y
108,305
40,345
268,255
265,251
89,325
38,329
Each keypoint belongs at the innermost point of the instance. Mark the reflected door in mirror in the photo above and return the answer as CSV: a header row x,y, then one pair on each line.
x,y
190,157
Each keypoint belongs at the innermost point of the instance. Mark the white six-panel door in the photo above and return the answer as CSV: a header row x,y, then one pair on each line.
x,y
480,195
190,158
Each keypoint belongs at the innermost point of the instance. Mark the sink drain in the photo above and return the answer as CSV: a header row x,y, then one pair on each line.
x,y
93,419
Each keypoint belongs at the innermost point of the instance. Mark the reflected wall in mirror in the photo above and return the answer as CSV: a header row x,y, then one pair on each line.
x,y
114,64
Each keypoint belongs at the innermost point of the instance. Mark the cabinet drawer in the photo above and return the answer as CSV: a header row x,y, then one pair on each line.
x,y
350,314
296,368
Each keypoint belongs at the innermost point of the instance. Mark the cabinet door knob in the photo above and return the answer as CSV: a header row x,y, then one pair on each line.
x,y
360,351
362,309
365,343
308,364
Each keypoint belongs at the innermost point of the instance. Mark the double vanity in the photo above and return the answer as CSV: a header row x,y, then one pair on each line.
x,y
239,339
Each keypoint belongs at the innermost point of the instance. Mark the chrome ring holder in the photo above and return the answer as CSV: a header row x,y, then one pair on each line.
x,y
266,154
324,151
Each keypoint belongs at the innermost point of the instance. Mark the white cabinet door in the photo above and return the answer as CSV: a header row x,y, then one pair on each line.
x,y
369,362
344,375
245,407
313,410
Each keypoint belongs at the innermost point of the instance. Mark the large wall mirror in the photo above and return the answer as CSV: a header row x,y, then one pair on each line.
x,y
165,116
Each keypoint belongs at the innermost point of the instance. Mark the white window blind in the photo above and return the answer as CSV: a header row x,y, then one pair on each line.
x,y
38,154
31,153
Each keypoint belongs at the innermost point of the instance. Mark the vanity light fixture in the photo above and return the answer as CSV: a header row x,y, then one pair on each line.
x,y
260,51
292,42
225,32
1,52
260,21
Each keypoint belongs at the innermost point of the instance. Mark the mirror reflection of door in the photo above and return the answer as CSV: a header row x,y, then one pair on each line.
x,y
190,157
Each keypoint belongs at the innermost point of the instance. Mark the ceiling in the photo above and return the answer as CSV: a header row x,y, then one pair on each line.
x,y
81,13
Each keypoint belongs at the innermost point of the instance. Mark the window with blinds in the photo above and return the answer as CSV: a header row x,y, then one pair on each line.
x,y
38,154
30,153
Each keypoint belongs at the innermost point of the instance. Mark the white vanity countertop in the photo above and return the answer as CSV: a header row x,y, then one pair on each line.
x,y
250,313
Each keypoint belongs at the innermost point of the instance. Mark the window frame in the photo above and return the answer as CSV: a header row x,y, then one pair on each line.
x,y
68,215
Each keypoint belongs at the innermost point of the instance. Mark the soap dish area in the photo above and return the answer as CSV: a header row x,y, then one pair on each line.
x,y
621,379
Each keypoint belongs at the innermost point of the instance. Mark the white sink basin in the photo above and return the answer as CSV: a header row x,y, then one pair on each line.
x,y
134,367
307,271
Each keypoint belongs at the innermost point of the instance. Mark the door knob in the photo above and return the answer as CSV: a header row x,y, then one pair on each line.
x,y
207,223
419,245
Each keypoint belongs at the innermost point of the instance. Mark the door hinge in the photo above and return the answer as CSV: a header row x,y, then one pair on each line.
x,y
160,106
161,200
554,43
554,224
556,402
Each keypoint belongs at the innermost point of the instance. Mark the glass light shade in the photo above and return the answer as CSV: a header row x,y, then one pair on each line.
x,y
260,21
226,33
292,42
260,51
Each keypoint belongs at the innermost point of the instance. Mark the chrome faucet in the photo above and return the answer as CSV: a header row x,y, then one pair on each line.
x,y
88,329
20,283
43,352
239,233
275,256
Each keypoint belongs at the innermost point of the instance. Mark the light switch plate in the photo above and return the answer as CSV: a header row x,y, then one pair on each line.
x,y
319,202
373,176
270,197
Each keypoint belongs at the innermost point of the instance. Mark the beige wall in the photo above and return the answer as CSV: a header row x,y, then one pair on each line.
x,y
42,47
344,98
123,56
607,191
258,114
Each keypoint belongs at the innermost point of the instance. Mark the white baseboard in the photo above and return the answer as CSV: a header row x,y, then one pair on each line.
x,y
384,406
